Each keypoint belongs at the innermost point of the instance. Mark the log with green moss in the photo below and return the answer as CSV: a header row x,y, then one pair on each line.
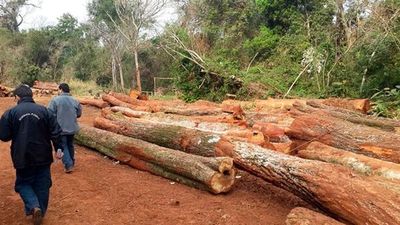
x,y
334,189
217,174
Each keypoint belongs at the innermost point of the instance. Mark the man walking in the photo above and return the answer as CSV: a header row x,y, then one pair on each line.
x,y
67,110
31,128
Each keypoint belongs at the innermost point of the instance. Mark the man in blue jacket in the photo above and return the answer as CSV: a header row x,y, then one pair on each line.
x,y
67,110
31,128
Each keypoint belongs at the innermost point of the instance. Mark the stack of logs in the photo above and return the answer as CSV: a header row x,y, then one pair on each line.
x,y
41,88
328,152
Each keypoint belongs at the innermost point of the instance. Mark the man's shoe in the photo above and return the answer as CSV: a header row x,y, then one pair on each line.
x,y
37,216
69,170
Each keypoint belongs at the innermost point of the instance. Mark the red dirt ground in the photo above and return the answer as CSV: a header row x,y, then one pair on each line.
x,y
100,191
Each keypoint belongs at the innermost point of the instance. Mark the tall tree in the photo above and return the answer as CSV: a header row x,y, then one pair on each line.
x,y
135,18
10,13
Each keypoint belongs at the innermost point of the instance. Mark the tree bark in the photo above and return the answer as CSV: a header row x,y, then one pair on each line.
x,y
116,102
348,136
354,117
217,174
357,105
137,71
331,188
113,70
303,216
361,164
129,112
175,137
93,102
182,136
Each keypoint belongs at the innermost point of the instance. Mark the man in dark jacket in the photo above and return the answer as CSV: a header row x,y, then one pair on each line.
x,y
31,128
67,110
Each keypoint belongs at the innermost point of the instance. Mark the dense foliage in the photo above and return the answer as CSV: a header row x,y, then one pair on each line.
x,y
253,49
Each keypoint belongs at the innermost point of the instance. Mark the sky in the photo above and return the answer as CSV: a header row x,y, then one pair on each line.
x,y
48,11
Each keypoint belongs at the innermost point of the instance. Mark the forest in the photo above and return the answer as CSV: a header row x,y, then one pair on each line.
x,y
213,49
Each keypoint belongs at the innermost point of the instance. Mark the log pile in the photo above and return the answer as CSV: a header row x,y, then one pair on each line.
x,y
213,174
327,152
41,88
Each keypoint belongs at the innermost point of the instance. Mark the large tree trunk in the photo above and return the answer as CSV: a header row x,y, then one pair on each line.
x,y
332,188
348,136
362,164
356,105
303,216
175,137
182,136
217,174
116,102
281,105
318,108
93,102
129,112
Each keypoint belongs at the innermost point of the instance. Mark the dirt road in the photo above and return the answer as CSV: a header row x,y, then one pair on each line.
x,y
103,192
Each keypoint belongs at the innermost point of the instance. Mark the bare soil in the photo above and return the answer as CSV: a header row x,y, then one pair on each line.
x,y
101,191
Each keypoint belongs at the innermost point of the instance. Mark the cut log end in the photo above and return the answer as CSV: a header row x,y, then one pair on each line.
x,y
223,182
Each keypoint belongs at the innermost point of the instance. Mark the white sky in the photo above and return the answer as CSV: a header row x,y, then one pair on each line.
x,y
50,10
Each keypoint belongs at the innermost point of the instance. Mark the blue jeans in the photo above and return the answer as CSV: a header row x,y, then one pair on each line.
x,y
33,185
68,159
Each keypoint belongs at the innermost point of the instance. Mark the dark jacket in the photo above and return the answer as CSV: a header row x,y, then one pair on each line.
x,y
31,127
67,110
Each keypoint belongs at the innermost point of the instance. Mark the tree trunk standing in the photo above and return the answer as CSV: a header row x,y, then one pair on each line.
x,y
216,173
113,70
331,188
303,216
340,29
362,164
121,74
137,71
345,135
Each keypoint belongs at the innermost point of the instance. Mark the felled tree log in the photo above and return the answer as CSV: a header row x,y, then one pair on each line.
x,y
129,112
93,102
221,122
192,110
334,189
272,131
176,136
217,174
362,164
348,136
126,98
303,216
45,85
353,117
116,102
358,105
176,120
170,136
